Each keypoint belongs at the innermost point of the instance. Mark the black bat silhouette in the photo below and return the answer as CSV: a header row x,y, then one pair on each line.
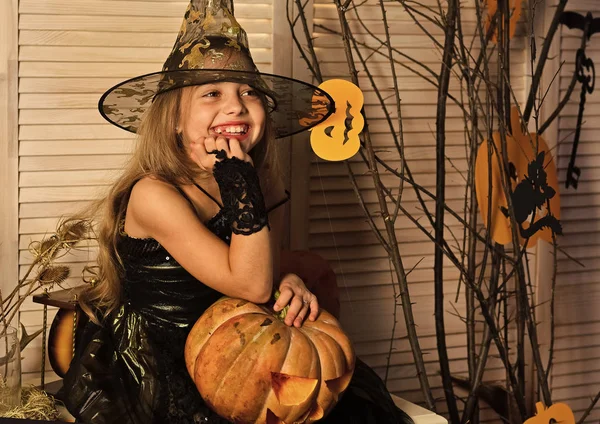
x,y
587,24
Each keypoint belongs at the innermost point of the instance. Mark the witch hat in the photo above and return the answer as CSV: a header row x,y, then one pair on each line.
x,y
212,47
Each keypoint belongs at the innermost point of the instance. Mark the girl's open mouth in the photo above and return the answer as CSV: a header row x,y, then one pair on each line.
x,y
237,130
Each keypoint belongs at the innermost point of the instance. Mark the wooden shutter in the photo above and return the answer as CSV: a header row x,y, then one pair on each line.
x,y
576,372
71,51
338,229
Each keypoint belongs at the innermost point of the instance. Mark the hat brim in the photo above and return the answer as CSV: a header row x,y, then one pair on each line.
x,y
295,105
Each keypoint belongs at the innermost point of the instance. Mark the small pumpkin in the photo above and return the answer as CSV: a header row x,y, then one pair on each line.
x,y
337,138
558,413
250,367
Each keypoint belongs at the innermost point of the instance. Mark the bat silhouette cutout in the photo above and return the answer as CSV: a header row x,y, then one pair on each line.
x,y
587,23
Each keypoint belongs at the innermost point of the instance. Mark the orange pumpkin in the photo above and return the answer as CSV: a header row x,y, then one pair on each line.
x,y
559,412
534,186
250,367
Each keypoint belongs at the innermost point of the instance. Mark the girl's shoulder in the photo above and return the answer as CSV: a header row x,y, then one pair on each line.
x,y
151,185
153,203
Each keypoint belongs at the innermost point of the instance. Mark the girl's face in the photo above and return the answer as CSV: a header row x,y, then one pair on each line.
x,y
227,109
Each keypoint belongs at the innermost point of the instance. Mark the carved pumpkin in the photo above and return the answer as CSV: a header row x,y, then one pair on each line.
x,y
515,10
250,367
559,412
534,187
336,138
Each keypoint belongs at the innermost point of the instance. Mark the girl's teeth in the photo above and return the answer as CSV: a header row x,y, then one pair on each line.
x,y
232,130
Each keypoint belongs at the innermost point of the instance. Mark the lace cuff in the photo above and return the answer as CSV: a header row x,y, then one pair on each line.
x,y
242,197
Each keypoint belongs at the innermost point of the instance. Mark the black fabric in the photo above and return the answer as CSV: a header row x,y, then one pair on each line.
x,y
131,369
242,197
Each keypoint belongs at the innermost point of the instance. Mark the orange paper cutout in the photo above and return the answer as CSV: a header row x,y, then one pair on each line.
x,y
534,187
515,9
336,138
559,412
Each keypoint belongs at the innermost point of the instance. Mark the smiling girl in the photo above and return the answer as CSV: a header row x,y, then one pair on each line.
x,y
194,216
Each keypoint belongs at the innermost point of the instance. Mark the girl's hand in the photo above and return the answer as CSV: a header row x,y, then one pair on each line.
x,y
204,151
293,292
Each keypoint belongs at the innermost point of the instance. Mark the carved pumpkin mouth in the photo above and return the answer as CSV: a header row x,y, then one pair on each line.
x,y
347,125
292,390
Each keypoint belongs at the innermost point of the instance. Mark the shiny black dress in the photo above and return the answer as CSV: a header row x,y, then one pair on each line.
x,y
132,369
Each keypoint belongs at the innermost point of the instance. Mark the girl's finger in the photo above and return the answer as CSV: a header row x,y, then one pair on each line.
x,y
223,144
295,307
314,308
284,298
236,149
197,153
210,144
300,317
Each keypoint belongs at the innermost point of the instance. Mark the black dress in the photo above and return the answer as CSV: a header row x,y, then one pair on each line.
x,y
132,369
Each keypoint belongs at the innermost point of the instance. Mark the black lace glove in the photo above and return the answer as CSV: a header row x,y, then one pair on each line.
x,y
243,200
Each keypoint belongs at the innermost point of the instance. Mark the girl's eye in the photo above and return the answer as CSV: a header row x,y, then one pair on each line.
x,y
252,93
211,94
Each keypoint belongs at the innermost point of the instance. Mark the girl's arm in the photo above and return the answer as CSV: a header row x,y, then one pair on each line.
x,y
243,270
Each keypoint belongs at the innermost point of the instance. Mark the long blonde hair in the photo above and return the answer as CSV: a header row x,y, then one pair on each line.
x,y
160,153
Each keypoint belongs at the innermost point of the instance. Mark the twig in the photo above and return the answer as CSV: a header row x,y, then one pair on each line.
x,y
400,143
589,409
537,77
438,267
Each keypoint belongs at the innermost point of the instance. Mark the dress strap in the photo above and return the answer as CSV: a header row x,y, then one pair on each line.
x,y
275,206
209,195
185,196
281,202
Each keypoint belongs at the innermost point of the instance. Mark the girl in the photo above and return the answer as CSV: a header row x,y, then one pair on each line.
x,y
188,222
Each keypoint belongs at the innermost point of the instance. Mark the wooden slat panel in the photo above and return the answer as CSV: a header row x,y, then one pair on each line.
x,y
61,116
82,22
111,54
395,13
59,194
72,132
67,178
116,39
125,8
119,70
576,374
72,162
80,147
49,209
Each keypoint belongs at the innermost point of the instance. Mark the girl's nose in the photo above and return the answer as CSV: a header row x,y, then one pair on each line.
x,y
234,105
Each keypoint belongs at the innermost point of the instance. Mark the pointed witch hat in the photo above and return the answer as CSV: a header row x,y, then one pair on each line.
x,y
212,47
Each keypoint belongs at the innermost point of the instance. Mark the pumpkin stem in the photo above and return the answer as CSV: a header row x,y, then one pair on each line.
x,y
281,314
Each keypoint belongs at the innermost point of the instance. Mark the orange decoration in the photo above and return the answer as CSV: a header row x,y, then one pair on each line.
x,y
515,10
534,187
337,137
250,367
558,413
60,340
